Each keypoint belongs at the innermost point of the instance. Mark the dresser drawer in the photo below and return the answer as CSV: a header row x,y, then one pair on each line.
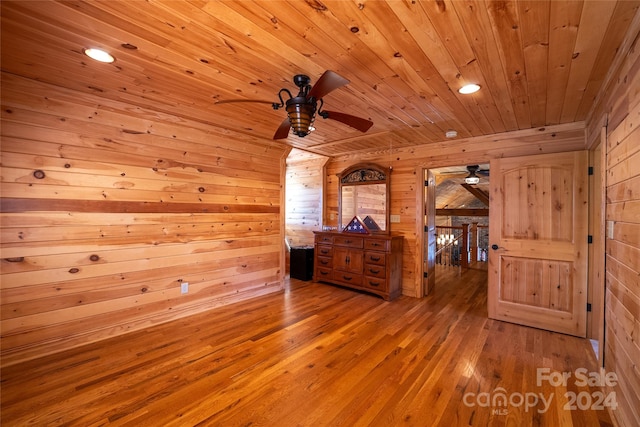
x,y
375,283
348,241
375,271
377,258
323,273
324,250
376,244
325,262
324,238
347,278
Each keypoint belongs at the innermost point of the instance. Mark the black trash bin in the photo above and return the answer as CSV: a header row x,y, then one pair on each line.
x,y
302,263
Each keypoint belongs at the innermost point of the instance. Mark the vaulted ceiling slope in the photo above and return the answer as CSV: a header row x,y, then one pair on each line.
x,y
538,62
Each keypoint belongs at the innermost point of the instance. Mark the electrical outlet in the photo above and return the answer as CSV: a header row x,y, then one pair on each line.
x,y
184,287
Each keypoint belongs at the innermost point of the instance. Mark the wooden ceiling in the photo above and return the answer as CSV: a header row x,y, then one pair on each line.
x,y
538,62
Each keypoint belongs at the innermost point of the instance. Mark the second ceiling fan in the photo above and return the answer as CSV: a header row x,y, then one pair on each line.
x,y
302,108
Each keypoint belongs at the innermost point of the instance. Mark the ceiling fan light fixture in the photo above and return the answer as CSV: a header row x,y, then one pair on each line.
x,y
469,89
472,178
99,55
302,114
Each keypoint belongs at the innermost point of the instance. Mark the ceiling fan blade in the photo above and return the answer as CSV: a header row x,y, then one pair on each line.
x,y
361,124
229,101
283,130
326,83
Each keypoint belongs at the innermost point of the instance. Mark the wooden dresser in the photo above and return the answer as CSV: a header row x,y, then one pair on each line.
x,y
371,263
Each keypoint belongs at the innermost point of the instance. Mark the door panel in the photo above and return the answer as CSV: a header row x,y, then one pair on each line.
x,y
538,233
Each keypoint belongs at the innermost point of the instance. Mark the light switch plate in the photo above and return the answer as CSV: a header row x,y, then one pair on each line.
x,y
394,218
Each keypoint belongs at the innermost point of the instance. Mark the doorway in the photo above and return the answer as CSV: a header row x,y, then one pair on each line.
x,y
456,221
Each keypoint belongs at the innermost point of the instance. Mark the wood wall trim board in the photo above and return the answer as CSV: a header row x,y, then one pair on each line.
x,y
15,205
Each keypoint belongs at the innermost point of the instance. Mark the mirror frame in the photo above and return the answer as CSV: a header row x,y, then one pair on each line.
x,y
379,175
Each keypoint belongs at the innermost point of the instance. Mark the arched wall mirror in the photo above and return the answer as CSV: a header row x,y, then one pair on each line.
x,y
364,195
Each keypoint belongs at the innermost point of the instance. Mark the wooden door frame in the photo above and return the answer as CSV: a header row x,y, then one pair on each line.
x,y
596,270
421,290
419,287
420,241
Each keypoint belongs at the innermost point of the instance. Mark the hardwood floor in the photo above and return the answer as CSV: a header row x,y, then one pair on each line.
x,y
314,355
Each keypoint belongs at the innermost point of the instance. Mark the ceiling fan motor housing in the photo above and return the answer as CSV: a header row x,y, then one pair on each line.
x,y
301,80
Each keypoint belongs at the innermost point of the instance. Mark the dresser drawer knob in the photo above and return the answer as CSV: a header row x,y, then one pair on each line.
x,y
372,271
374,258
374,283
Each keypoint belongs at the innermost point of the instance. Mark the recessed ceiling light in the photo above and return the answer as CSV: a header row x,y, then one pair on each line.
x,y
99,55
470,88
451,134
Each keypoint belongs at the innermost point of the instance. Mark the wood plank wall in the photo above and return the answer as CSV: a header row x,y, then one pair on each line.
x,y
618,108
407,181
107,209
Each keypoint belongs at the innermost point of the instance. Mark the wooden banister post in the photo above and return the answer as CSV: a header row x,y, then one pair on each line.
x,y
464,250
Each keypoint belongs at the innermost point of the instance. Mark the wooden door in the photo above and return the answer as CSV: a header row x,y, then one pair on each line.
x,y
538,237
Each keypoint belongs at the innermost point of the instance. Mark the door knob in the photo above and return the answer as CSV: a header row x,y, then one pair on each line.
x,y
494,247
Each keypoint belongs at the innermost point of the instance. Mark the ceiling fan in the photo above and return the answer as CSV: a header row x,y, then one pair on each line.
x,y
472,178
473,174
302,108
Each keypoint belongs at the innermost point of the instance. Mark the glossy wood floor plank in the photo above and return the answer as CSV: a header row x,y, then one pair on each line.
x,y
314,355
